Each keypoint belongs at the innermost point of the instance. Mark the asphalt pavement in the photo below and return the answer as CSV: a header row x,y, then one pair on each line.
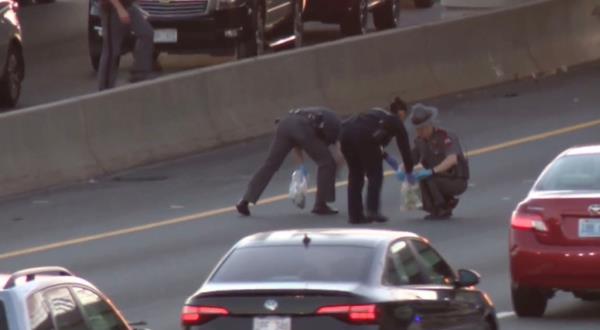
x,y
149,270
56,53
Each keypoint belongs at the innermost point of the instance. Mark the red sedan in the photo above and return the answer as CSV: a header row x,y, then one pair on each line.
x,y
555,233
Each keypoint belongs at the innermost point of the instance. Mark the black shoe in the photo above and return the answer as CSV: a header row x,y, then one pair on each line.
x,y
377,217
324,209
242,207
441,215
452,203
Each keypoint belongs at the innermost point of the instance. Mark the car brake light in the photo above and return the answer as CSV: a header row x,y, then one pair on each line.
x,y
358,314
528,221
196,315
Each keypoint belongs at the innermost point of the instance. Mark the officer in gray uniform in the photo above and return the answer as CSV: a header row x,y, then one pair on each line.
x,y
120,17
311,130
445,169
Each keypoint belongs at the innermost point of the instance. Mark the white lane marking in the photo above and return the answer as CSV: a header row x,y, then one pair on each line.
x,y
505,315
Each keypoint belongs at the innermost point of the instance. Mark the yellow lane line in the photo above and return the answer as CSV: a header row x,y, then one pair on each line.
x,y
274,199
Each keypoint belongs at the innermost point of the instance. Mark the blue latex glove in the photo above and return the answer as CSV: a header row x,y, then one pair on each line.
x,y
423,174
391,161
303,169
400,175
410,178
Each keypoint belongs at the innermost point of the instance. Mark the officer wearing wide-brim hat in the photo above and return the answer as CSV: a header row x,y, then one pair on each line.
x,y
445,169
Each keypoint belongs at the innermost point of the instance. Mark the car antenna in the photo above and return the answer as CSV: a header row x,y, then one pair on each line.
x,y
306,240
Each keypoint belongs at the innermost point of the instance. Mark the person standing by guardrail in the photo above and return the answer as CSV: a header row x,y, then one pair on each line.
x,y
311,130
119,17
443,169
363,138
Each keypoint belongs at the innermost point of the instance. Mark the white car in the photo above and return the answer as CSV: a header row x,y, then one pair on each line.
x,y
52,298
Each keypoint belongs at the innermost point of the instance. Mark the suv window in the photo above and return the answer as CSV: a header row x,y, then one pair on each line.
x,y
39,313
402,267
3,320
98,313
66,313
436,269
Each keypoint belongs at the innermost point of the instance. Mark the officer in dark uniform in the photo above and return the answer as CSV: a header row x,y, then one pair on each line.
x,y
311,130
119,17
445,169
363,138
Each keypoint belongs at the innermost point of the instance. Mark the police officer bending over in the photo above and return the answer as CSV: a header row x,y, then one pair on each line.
x,y
445,169
309,129
363,137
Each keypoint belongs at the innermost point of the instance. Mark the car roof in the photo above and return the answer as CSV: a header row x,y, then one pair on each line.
x,y
582,150
324,236
41,282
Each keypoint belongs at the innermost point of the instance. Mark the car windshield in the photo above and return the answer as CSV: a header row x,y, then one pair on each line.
x,y
296,264
577,172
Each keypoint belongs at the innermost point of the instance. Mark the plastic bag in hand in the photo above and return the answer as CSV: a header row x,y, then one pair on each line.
x,y
410,197
298,188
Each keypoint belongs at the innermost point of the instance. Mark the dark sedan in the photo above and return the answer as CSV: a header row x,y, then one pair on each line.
x,y
337,279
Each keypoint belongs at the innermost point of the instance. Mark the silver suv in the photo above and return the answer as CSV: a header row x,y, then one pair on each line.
x,y
52,298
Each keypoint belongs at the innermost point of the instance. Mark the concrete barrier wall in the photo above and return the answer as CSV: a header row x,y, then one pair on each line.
x,y
189,112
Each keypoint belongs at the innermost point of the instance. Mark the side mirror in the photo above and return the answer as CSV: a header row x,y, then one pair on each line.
x,y
467,278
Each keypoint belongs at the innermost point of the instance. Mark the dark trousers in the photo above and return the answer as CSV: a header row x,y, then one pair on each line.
x,y
295,131
364,159
436,191
113,33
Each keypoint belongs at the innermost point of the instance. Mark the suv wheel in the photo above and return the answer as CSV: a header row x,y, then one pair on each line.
x,y
529,302
253,44
12,77
423,3
356,19
387,16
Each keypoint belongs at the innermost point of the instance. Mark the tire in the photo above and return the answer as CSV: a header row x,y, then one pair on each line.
x,y
255,43
12,77
423,3
529,302
355,22
387,16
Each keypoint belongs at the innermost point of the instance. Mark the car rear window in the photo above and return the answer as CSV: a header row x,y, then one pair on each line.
x,y
296,263
577,172
3,318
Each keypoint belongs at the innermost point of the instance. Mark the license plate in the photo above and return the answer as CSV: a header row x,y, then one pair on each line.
x,y
589,227
165,36
272,323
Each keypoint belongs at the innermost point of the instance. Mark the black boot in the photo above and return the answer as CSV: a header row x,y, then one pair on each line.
x,y
242,207
324,209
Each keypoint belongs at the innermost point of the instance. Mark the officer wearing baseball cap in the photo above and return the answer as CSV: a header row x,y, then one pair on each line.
x,y
444,169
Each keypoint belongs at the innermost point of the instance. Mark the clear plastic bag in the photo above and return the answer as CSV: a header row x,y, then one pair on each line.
x,y
410,197
298,188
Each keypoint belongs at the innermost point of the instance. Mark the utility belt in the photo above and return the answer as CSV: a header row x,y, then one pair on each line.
x,y
315,120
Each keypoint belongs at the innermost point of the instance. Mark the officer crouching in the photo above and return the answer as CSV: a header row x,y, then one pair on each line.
x,y
444,172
